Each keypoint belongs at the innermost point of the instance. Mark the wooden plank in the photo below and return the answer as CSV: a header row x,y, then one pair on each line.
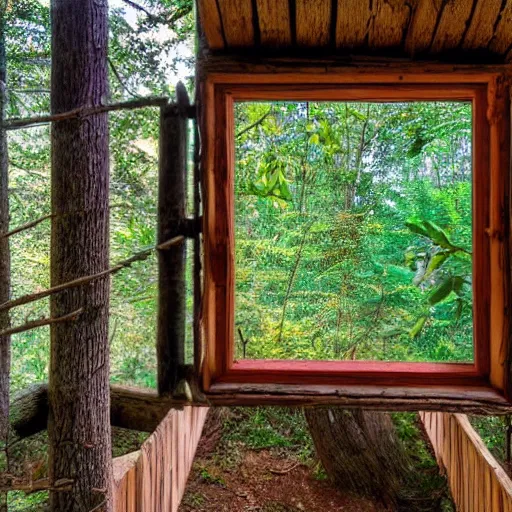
x,y
313,24
481,28
242,68
502,37
237,22
422,26
211,23
390,19
352,23
274,23
451,27
498,113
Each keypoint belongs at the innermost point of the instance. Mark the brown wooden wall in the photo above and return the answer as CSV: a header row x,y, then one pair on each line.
x,y
154,478
477,481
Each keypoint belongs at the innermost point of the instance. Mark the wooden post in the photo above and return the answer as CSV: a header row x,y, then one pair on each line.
x,y
171,221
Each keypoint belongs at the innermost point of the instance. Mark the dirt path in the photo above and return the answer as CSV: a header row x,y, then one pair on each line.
x,y
264,482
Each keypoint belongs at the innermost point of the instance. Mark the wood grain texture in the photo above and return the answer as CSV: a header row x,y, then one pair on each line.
x,y
352,23
472,400
502,38
274,22
452,28
451,25
314,22
477,481
243,68
237,22
154,478
210,21
389,21
481,28
498,115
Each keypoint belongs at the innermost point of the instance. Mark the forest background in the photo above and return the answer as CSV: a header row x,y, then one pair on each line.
x,y
353,220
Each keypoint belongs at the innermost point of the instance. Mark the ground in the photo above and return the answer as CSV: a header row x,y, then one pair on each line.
x,y
263,460
265,482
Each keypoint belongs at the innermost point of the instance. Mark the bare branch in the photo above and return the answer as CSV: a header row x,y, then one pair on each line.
x,y
173,241
140,256
24,227
138,8
31,91
34,324
120,80
15,124
253,125
98,507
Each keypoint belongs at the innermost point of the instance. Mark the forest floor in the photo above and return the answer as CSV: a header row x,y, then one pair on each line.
x,y
265,482
263,460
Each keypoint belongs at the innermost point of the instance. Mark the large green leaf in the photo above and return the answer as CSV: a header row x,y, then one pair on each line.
x,y
447,285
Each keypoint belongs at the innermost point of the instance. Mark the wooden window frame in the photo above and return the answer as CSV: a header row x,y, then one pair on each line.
x,y
269,381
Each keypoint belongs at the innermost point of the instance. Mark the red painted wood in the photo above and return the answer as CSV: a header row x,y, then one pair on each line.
x,y
352,372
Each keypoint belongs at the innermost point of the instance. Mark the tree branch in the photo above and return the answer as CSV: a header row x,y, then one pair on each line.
x,y
138,8
41,323
24,227
15,124
119,79
140,256
253,125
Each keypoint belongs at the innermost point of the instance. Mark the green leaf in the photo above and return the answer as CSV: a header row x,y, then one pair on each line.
x,y
441,291
436,262
314,139
418,326
437,235
417,227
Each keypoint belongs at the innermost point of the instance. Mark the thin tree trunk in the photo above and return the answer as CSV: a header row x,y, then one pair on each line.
x,y
5,263
79,400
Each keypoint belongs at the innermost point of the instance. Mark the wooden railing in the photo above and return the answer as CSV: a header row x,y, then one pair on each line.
x,y
477,481
154,478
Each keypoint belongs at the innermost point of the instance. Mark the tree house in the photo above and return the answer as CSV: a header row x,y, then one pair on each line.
x,y
340,50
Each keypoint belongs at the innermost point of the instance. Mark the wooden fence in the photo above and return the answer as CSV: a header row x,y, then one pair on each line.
x,y
154,478
477,481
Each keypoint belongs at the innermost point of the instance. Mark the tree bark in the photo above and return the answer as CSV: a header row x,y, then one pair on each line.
x,y
172,191
360,452
5,262
78,394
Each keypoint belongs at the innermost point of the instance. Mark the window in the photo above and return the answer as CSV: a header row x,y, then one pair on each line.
x,y
475,354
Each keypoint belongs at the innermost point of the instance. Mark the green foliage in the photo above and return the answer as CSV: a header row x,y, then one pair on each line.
x,y
146,48
363,255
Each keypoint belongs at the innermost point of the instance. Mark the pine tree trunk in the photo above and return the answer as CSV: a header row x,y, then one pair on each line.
x,y
360,452
79,416
5,262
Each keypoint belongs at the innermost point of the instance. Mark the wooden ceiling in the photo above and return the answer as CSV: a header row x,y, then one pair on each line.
x,y
472,29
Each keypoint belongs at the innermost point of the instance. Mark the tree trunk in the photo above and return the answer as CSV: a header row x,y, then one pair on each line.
x,y
360,452
5,271
78,394
172,194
